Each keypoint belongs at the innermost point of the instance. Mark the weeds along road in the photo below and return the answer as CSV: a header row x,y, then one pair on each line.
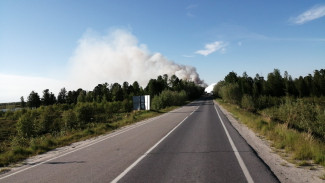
x,y
195,143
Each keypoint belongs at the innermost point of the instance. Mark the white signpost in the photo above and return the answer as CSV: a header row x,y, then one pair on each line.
x,y
141,102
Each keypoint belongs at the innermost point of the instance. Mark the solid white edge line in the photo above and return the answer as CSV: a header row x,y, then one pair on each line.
x,y
119,177
93,143
234,148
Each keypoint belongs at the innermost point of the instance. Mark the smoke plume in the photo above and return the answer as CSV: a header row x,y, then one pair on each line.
x,y
118,57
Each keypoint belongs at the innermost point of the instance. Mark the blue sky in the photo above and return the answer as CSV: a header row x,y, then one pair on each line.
x,y
38,39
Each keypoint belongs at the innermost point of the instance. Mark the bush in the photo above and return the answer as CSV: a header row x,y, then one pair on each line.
x,y
217,89
9,114
115,107
70,119
248,103
263,102
26,124
300,115
126,106
168,98
231,93
19,141
49,120
157,103
64,107
85,112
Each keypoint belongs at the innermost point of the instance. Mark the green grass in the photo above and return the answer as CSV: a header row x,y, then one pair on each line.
x,y
300,146
20,149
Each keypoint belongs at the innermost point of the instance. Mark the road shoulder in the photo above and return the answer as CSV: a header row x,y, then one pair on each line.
x,y
284,170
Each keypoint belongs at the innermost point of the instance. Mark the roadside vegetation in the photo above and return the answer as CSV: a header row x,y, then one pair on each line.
x,y
290,113
47,122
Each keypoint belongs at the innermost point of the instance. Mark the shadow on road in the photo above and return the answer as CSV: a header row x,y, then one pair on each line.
x,y
64,162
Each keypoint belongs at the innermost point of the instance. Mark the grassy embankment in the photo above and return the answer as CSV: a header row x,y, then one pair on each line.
x,y
13,150
298,146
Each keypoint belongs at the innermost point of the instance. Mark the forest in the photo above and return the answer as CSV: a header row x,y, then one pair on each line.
x,y
46,122
290,112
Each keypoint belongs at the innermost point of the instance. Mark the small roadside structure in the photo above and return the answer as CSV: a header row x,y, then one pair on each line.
x,y
141,102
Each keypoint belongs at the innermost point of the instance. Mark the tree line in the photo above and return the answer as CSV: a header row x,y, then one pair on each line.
x,y
297,102
105,103
236,87
113,92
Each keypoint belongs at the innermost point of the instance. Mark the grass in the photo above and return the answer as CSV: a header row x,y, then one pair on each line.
x,y
20,149
4,170
322,177
301,146
304,163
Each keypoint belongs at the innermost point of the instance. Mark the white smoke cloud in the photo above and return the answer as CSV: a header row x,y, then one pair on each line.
x,y
115,57
118,57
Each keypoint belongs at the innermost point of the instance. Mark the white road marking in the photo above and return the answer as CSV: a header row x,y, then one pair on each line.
x,y
240,160
93,143
148,151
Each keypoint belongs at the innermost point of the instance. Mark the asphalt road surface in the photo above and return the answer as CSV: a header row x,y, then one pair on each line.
x,y
195,143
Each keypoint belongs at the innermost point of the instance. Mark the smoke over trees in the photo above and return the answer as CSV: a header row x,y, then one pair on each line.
x,y
118,57
116,92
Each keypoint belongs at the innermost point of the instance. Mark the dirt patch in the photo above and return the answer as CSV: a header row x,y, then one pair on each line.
x,y
284,170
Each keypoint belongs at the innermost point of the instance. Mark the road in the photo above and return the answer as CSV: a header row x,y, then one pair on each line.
x,y
195,143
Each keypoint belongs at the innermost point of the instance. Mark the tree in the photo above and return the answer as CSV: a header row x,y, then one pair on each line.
x,y
301,87
160,82
258,86
175,84
81,97
117,92
275,84
48,98
153,88
72,97
165,78
52,98
136,88
62,96
231,77
101,92
90,97
126,91
321,81
290,88
246,84
22,102
34,100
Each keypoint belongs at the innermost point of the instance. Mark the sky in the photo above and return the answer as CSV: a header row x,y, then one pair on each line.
x,y
51,44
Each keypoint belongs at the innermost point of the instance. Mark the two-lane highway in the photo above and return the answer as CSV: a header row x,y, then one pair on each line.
x,y
191,144
199,151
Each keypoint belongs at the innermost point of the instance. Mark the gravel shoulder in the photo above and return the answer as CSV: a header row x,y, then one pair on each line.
x,y
284,170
